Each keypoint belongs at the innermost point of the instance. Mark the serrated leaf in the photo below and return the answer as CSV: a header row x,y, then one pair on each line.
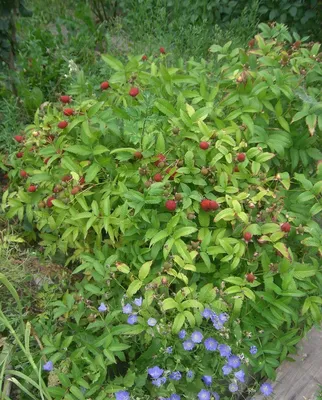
x,y
133,288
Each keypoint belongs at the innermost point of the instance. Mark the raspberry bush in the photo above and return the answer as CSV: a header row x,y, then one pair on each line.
x,y
183,177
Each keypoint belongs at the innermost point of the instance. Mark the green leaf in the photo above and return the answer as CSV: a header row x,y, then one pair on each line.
x,y
169,304
191,304
144,270
178,322
283,249
227,215
165,107
133,288
92,172
79,150
113,62
235,280
185,231
159,236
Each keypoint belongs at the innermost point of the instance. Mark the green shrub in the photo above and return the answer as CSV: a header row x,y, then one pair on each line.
x,y
204,174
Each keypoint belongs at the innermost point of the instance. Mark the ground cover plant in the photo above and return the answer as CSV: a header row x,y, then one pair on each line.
x,y
186,199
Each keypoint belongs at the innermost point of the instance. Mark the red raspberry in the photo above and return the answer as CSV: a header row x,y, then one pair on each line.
x,y
19,138
49,201
62,124
286,227
68,112
105,85
65,99
247,236
204,145
134,91
157,178
161,159
205,205
32,188
250,277
171,205
241,157
138,155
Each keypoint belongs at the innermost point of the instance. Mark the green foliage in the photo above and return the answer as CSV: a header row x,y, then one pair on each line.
x,y
91,192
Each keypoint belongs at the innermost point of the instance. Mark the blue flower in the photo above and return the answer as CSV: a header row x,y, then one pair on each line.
x,y
207,313
175,376
240,375
152,321
207,380
122,395
49,366
175,397
234,361
190,374
233,387
155,372
211,344
133,319
127,309
169,350
253,350
204,395
266,388
102,307
182,334
138,301
224,350
223,317
226,369
159,381
196,337
216,395
188,345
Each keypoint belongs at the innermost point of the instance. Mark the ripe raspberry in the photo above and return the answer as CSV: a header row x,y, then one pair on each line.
x,y
286,227
157,178
65,99
134,91
138,155
205,205
66,178
204,145
241,157
62,124
144,58
68,112
213,205
32,188
23,174
250,277
162,50
171,205
247,236
81,180
19,138
19,154
161,159
105,85
49,201
75,190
